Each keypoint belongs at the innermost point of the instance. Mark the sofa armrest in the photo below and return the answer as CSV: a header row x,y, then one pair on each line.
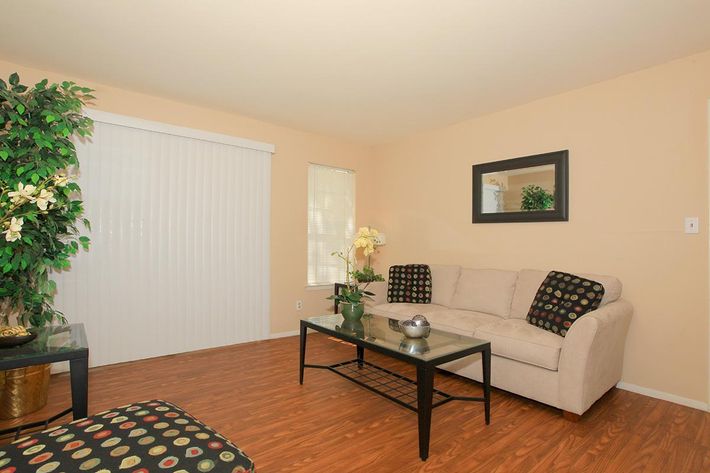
x,y
592,356
380,290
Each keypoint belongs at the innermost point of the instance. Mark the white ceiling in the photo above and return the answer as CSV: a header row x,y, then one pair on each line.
x,y
366,70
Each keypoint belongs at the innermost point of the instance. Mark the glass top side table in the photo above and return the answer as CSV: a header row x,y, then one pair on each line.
x,y
54,343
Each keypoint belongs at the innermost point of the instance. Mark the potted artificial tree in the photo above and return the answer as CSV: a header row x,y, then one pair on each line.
x,y
40,207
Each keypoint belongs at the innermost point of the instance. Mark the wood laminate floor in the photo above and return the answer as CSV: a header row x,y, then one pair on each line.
x,y
250,393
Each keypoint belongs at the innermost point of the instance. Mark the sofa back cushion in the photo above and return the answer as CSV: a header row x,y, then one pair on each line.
x,y
443,283
529,281
485,290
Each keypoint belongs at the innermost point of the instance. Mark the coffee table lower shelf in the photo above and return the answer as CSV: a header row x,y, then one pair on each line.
x,y
388,384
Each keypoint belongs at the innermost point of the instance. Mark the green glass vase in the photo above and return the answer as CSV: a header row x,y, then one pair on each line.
x,y
352,312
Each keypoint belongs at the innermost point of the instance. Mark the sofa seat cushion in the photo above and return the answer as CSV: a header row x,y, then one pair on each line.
x,y
462,322
485,290
403,310
518,340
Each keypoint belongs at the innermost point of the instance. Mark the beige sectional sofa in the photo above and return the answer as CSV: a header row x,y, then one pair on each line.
x,y
569,373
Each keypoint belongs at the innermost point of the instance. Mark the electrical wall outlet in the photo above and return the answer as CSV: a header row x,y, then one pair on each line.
x,y
691,224
299,305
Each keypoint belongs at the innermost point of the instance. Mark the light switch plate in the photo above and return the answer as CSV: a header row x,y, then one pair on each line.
x,y
691,225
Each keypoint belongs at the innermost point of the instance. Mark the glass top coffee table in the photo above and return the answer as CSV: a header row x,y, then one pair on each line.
x,y
382,335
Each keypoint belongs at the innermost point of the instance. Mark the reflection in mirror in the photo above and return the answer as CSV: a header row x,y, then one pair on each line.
x,y
516,190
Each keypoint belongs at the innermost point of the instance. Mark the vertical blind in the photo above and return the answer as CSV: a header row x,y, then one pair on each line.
x,y
179,259
331,221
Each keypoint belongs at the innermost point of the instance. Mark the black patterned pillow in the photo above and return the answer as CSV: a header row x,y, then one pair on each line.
x,y
562,299
409,283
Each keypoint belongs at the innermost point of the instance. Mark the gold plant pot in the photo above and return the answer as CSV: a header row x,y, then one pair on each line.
x,y
23,390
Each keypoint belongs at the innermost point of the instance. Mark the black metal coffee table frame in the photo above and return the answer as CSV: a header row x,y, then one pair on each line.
x,y
393,386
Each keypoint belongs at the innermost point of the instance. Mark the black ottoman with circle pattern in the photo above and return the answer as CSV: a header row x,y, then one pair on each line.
x,y
145,437
409,283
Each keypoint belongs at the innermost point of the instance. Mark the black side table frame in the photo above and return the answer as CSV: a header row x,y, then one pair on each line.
x,y
78,359
357,370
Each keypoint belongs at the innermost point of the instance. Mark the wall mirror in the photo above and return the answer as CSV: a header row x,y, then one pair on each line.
x,y
527,189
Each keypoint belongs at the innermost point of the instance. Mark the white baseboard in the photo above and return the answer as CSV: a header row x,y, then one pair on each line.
x,y
61,367
683,401
284,334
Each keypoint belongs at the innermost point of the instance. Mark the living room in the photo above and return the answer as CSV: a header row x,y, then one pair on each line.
x,y
198,276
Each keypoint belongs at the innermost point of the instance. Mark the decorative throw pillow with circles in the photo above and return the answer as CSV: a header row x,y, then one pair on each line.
x,y
562,299
409,283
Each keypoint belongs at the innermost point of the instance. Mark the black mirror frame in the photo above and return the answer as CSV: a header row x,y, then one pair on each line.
x,y
560,159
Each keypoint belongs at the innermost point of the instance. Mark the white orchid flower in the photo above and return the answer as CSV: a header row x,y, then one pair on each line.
x,y
366,240
13,230
23,192
45,197
60,180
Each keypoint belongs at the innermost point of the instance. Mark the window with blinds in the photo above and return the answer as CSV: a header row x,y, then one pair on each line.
x,y
331,221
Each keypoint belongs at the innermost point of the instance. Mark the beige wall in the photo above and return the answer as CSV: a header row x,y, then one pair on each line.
x,y
294,149
638,165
